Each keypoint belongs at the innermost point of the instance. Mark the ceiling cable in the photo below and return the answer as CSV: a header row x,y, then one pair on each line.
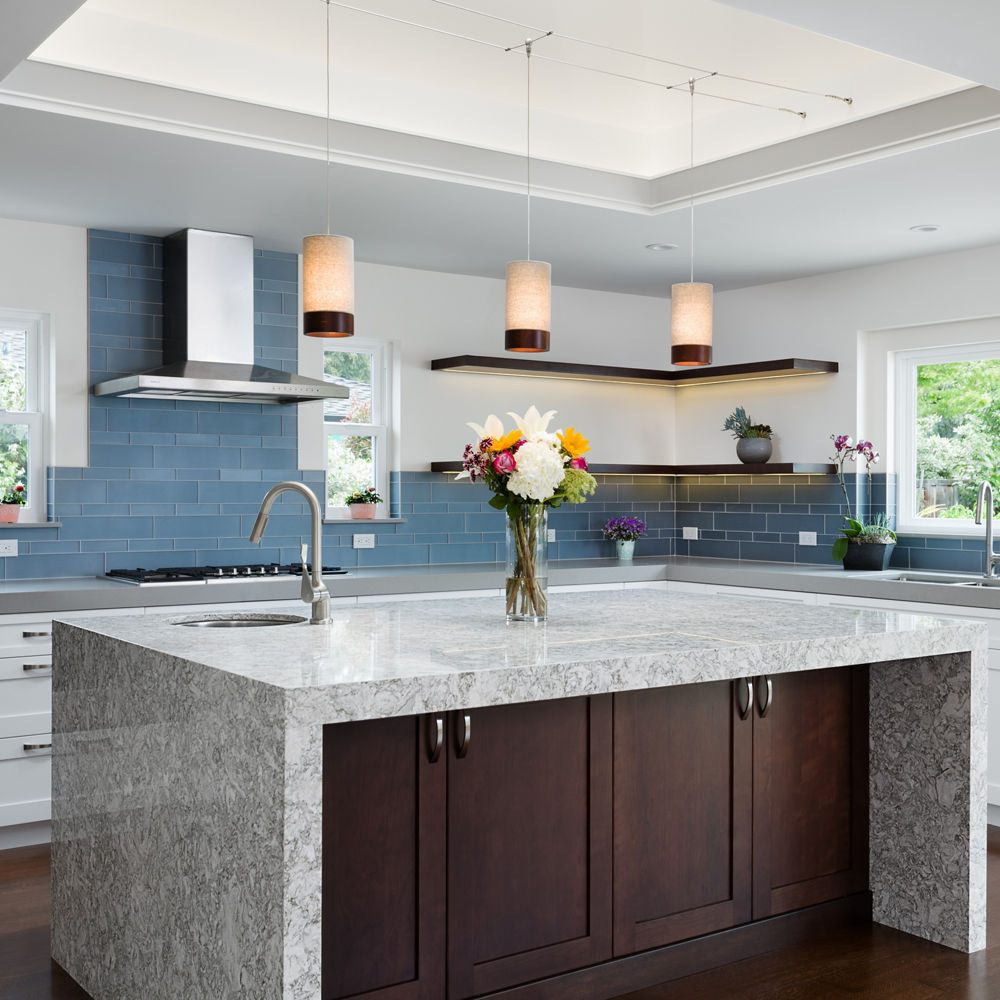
x,y
417,24
327,117
642,55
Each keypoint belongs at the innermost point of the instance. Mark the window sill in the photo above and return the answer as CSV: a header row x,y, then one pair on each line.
x,y
364,520
32,524
937,529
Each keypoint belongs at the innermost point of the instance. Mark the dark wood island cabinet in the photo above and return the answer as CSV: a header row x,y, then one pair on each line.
x,y
563,848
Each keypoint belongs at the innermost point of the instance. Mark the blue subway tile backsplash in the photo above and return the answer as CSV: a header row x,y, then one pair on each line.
x,y
179,482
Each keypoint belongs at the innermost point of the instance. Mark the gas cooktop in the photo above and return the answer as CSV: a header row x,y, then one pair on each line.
x,y
212,574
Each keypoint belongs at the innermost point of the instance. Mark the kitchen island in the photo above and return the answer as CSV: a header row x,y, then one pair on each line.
x,y
301,811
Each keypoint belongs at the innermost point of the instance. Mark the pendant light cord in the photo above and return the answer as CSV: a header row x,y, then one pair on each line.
x,y
691,85
327,117
527,143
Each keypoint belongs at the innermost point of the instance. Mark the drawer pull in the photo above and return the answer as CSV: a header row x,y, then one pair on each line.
x,y
36,635
743,697
765,695
26,667
36,746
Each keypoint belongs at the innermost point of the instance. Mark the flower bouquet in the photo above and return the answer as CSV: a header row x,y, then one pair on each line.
x,y
528,469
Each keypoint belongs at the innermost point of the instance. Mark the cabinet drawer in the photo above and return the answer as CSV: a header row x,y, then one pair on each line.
x,y
25,781
14,668
25,694
25,724
25,635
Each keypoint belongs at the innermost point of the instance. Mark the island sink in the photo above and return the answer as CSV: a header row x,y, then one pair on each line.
x,y
418,801
239,619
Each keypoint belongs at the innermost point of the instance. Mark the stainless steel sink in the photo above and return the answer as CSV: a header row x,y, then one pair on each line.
x,y
239,619
946,579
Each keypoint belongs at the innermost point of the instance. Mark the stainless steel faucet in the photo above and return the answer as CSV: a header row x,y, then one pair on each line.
x,y
984,498
314,590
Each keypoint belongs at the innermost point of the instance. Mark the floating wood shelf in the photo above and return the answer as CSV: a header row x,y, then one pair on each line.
x,y
762,469
710,375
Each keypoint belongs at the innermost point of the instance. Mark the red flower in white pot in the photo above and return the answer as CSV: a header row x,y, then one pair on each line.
x,y
11,503
362,503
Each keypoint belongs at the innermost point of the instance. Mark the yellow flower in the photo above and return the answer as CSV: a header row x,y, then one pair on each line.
x,y
574,442
507,441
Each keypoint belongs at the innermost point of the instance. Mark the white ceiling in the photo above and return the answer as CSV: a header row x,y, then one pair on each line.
x,y
150,117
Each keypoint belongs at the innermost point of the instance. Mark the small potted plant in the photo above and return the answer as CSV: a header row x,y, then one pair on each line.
x,y
753,441
361,503
624,532
11,503
864,544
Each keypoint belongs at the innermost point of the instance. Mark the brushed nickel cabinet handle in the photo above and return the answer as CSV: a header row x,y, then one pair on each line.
x,y
464,735
765,695
435,739
26,667
36,746
744,699
36,635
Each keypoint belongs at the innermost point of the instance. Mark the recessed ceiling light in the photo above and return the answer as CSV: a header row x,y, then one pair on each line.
x,y
661,246
927,227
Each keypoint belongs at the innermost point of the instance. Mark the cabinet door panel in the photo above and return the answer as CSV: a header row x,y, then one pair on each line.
x,y
682,807
383,861
529,849
811,790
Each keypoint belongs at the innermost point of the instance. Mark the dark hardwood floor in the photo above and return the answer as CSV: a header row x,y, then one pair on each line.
x,y
872,963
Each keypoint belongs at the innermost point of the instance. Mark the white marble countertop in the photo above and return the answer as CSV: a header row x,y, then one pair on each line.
x,y
401,658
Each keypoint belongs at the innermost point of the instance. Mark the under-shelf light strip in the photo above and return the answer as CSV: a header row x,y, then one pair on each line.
x,y
595,69
686,384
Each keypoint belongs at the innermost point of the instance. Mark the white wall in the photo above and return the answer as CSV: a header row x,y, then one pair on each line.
x,y
828,318
43,268
437,315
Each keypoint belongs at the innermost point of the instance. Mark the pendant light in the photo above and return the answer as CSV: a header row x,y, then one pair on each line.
x,y
691,301
328,261
529,282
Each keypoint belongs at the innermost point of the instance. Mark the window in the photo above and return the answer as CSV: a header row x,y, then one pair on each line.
x,y
947,433
21,424
357,436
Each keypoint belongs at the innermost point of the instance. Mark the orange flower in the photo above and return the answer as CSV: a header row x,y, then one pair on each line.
x,y
573,442
507,441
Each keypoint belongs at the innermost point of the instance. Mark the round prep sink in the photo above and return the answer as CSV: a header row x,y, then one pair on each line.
x,y
239,619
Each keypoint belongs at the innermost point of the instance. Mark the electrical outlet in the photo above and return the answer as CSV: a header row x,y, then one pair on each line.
x,y
552,535
364,541
691,533
807,538
8,547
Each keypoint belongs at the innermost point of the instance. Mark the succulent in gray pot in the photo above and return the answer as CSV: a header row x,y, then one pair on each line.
x,y
753,441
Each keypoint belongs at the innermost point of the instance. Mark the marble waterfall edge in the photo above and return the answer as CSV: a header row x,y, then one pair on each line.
x,y
187,770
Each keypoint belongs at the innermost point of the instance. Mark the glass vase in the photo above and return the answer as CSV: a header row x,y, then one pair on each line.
x,y
528,564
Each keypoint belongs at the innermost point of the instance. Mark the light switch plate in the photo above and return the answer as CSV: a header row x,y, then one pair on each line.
x,y
364,541
552,535
691,533
8,547
807,538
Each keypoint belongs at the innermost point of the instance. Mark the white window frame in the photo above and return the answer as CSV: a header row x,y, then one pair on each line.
x,y
378,429
905,366
36,400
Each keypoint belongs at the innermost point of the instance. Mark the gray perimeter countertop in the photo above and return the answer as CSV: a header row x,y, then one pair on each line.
x,y
96,593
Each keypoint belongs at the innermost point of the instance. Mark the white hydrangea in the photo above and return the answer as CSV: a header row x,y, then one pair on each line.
x,y
539,471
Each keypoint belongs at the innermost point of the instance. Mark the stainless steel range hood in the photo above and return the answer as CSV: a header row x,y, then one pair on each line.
x,y
208,331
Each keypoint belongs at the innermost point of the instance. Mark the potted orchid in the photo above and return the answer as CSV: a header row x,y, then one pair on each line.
x,y
624,532
865,544
528,469
11,503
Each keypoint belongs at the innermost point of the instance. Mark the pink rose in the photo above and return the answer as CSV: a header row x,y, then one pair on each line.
x,y
578,463
504,463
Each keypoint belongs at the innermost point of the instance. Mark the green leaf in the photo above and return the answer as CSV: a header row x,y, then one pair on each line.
x,y
840,549
498,502
856,526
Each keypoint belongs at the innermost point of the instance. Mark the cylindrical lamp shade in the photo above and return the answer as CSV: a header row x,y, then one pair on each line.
x,y
328,286
691,324
529,298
